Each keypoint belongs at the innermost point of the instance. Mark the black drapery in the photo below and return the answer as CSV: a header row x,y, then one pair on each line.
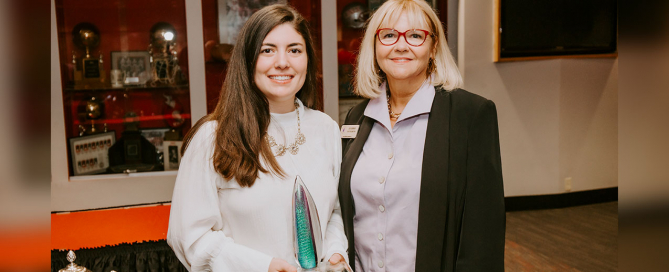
x,y
151,256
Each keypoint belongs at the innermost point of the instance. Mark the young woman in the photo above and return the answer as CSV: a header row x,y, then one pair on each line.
x,y
232,203
421,183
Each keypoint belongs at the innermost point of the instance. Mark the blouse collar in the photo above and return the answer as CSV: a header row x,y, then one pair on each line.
x,y
420,103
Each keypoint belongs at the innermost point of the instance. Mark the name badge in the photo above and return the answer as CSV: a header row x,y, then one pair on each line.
x,y
349,131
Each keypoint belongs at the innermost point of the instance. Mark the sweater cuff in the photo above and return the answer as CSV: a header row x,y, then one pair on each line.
x,y
244,259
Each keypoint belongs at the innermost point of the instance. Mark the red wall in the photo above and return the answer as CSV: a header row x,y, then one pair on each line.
x,y
123,24
109,227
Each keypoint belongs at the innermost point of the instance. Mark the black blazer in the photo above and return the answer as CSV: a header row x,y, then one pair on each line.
x,y
461,219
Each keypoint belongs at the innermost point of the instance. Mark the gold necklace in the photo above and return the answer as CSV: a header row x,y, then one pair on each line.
x,y
292,148
392,114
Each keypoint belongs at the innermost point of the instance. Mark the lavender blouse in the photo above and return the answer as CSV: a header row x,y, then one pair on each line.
x,y
385,184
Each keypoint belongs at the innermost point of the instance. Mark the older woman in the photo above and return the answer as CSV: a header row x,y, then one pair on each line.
x,y
232,203
421,179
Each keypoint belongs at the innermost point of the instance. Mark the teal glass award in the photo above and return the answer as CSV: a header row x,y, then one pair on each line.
x,y
308,239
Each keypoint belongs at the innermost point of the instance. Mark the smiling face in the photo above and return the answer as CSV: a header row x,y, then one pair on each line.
x,y
402,61
281,67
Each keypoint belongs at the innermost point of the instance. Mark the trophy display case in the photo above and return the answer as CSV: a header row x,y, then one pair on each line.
x,y
124,75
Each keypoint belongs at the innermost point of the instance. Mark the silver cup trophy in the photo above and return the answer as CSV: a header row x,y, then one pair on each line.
x,y
72,267
308,239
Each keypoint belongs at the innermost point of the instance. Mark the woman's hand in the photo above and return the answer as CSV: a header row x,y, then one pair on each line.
x,y
279,265
336,258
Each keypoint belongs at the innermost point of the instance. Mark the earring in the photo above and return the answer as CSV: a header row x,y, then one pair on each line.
x,y
430,66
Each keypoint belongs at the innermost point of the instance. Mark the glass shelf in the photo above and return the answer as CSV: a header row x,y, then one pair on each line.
x,y
106,176
126,88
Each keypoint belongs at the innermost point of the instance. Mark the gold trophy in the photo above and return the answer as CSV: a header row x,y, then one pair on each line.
x,y
165,70
89,72
93,110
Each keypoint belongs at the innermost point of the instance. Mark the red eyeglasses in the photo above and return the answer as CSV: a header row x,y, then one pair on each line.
x,y
414,37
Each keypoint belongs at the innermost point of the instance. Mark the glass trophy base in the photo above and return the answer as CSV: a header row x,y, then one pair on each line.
x,y
327,267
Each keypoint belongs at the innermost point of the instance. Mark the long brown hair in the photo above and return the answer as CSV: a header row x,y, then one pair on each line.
x,y
242,112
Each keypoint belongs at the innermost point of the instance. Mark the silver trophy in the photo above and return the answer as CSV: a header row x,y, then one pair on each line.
x,y
72,267
308,242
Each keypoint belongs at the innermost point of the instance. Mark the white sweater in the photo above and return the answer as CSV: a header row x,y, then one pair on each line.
x,y
216,225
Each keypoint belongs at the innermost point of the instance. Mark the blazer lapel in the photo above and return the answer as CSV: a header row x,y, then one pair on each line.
x,y
351,154
432,211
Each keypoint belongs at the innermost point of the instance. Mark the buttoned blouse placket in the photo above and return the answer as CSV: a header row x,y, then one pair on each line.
x,y
382,169
382,221
381,153
397,144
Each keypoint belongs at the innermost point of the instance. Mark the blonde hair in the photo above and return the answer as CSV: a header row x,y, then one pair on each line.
x,y
368,76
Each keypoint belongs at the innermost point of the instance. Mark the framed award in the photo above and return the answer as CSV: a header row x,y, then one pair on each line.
x,y
90,154
172,154
156,136
134,66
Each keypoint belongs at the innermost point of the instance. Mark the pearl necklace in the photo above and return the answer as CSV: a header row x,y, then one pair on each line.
x,y
392,114
293,148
